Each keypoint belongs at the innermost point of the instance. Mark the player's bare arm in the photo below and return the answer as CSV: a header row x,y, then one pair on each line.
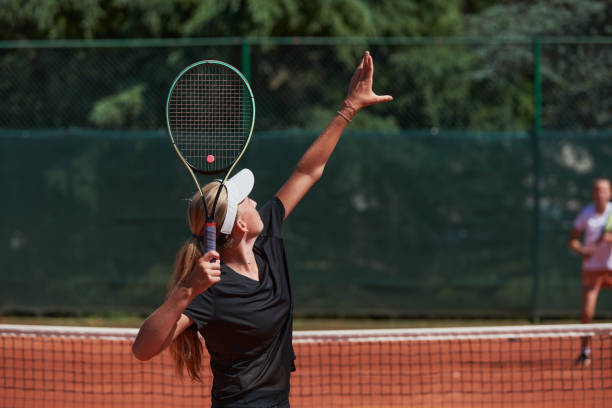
x,y
168,321
310,167
575,245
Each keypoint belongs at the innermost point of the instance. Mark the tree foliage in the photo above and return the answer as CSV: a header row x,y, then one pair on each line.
x,y
87,19
432,83
576,76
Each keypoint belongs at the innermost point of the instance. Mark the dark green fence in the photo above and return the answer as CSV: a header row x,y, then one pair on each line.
x,y
455,199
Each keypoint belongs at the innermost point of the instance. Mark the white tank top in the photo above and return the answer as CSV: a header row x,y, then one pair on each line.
x,y
592,225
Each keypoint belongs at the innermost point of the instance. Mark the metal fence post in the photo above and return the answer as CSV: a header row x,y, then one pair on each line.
x,y
535,150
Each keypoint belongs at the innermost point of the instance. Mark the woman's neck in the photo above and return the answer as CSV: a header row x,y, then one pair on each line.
x,y
600,207
241,259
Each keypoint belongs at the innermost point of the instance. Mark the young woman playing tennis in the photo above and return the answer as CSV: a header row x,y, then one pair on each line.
x,y
596,253
242,305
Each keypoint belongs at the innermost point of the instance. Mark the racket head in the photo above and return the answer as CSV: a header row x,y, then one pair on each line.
x,y
210,114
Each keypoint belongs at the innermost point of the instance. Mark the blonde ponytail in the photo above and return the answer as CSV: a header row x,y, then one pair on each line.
x,y
187,349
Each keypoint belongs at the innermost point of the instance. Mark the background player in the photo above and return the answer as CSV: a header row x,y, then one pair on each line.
x,y
596,253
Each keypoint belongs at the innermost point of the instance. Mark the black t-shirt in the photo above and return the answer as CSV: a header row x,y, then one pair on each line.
x,y
248,324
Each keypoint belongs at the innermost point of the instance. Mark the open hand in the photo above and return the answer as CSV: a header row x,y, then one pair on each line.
x,y
360,92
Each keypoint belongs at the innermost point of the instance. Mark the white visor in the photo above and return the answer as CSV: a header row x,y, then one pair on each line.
x,y
238,188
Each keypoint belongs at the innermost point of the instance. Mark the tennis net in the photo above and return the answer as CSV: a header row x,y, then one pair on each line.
x,y
514,366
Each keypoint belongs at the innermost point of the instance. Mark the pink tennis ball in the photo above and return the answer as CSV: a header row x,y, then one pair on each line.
x,y
210,158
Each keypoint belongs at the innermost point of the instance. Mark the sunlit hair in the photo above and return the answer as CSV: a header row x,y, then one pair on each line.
x,y
187,349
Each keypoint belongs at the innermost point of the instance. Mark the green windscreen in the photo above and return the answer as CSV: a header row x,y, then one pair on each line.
x,y
448,201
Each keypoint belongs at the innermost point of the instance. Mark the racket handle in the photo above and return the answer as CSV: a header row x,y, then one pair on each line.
x,y
210,236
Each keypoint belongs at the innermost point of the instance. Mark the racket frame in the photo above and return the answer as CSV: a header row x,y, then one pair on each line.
x,y
210,228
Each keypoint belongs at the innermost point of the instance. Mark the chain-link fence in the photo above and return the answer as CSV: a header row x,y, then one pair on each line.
x,y
456,198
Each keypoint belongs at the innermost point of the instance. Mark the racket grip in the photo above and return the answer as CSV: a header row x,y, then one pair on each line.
x,y
211,236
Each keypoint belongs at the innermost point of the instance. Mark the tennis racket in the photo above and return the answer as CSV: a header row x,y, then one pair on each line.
x,y
607,228
210,113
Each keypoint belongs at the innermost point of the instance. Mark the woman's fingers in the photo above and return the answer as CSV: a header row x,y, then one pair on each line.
x,y
214,276
210,255
208,271
368,66
383,98
356,78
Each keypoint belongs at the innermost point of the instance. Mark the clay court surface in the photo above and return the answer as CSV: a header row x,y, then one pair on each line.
x,y
71,371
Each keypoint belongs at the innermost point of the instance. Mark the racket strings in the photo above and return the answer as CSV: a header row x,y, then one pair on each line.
x,y
210,113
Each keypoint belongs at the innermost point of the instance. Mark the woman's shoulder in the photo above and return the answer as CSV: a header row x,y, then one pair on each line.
x,y
272,214
588,210
273,205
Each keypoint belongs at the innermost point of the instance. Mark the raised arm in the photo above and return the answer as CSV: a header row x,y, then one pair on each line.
x,y
310,167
